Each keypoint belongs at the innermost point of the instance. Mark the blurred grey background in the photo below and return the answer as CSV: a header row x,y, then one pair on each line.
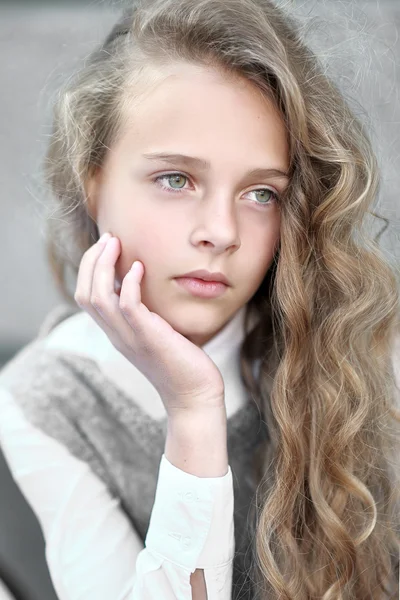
x,y
41,43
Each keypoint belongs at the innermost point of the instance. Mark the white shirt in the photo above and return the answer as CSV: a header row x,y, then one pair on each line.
x,y
92,550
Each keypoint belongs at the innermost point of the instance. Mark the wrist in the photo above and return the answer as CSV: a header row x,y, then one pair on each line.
x,y
197,443
192,405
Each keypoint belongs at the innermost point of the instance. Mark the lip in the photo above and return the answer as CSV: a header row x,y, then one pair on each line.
x,y
201,288
207,276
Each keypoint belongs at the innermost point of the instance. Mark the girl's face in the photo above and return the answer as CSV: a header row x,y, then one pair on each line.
x,y
218,217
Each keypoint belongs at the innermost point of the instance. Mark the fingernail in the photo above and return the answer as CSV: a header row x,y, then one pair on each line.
x,y
135,266
104,237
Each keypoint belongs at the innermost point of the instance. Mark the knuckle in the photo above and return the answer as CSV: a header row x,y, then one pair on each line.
x,y
130,315
125,308
96,302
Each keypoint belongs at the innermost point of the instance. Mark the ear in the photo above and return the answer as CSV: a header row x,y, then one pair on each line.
x,y
92,190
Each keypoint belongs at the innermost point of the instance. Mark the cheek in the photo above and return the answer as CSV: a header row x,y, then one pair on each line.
x,y
261,251
150,245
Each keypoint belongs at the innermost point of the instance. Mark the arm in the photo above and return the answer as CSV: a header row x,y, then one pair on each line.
x,y
92,550
198,446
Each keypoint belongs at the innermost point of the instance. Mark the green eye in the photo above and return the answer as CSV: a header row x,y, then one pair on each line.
x,y
172,178
175,178
265,194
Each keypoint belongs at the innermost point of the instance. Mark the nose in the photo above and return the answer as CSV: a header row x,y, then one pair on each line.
x,y
217,224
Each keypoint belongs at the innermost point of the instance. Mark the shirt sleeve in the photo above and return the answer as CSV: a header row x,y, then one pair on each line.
x,y
92,550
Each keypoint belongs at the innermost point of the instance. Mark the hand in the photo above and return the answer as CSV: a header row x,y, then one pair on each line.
x,y
182,373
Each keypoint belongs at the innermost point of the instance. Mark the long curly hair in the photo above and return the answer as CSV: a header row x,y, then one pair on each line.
x,y
326,515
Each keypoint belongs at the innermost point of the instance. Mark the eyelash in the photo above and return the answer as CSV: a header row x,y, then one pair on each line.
x,y
177,191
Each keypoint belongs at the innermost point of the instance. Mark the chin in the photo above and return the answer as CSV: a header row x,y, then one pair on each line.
x,y
197,332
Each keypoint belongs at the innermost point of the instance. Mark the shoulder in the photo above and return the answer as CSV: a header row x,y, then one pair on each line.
x,y
33,361
56,367
51,388
54,317
64,332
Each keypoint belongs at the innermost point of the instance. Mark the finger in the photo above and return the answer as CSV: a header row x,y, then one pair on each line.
x,y
113,308
103,296
102,303
142,325
84,286
130,300
87,265
132,309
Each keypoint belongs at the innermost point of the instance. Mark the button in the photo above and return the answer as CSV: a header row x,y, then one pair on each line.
x,y
188,496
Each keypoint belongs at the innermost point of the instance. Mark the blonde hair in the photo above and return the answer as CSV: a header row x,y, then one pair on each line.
x,y
325,520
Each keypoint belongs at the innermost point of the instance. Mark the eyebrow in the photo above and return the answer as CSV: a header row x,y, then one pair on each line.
x,y
204,165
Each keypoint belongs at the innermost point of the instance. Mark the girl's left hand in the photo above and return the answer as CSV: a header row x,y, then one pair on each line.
x,y
182,373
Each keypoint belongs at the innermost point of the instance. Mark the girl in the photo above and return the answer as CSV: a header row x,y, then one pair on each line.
x,y
178,439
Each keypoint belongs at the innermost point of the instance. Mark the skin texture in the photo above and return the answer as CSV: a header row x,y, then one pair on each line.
x,y
198,583
217,221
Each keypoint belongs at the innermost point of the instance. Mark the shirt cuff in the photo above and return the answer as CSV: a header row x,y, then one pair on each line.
x,y
191,523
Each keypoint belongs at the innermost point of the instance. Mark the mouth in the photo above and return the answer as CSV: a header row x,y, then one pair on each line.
x,y
200,288
208,276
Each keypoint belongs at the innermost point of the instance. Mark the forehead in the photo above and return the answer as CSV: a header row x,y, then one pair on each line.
x,y
194,107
